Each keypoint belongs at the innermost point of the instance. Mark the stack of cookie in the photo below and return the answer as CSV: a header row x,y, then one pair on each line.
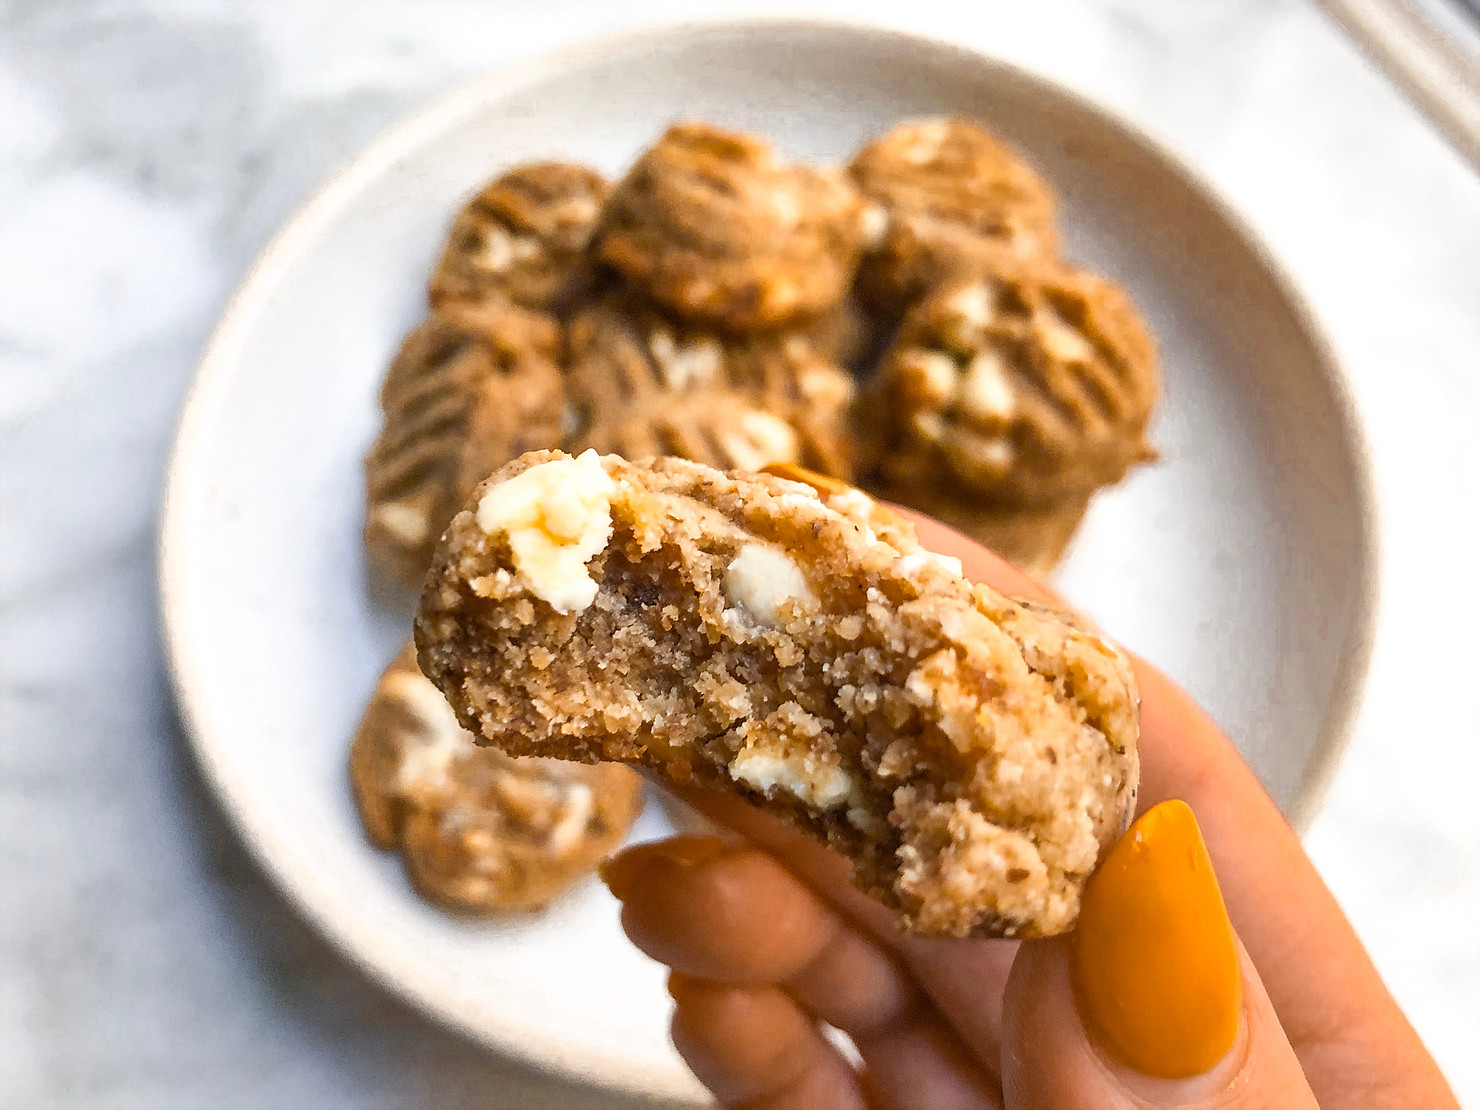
x,y
903,323
700,308
722,305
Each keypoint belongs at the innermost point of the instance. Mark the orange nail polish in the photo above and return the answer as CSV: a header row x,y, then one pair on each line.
x,y
793,473
1153,958
622,872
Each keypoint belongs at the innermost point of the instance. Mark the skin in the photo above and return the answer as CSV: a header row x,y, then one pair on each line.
x,y
766,939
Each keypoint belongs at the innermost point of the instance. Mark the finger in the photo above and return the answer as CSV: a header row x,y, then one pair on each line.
x,y
962,979
754,1047
922,1063
758,1047
736,916
1151,1002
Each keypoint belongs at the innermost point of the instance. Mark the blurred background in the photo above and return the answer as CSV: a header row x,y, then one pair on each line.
x,y
149,149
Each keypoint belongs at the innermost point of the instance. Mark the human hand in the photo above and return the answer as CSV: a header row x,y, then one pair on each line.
x,y
1159,998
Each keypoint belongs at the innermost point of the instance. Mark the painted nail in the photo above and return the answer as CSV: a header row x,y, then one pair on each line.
x,y
1153,958
624,871
793,473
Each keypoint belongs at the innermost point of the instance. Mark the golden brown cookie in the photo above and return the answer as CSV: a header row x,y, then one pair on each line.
x,y
469,389
523,237
712,225
478,831
947,191
628,361
974,756
1027,384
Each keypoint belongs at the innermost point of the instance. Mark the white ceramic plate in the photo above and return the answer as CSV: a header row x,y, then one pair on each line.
x,y
1243,562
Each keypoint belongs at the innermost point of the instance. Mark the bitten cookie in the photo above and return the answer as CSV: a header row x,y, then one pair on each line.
x,y
629,362
478,831
1028,384
523,237
948,192
974,756
470,388
712,225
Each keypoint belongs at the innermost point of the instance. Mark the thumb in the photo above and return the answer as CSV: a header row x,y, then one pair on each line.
x,y
1151,1002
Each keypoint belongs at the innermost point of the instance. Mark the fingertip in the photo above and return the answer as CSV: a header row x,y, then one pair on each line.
x,y
1153,959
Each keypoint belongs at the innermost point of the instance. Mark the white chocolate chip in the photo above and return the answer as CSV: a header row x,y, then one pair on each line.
x,y
788,210
1063,342
874,224
685,364
761,579
758,438
581,208
928,375
986,392
824,386
910,565
998,453
973,304
577,804
500,250
406,522
557,516
819,784
440,739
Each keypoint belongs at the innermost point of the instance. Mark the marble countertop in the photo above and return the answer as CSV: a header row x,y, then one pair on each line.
x,y
147,152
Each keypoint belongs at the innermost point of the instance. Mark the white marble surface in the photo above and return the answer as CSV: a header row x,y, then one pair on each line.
x,y
150,148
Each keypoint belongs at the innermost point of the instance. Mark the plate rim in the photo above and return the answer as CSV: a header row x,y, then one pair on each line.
x,y
300,229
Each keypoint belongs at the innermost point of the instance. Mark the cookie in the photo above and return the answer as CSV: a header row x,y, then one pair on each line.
x,y
478,831
470,388
974,756
522,238
947,191
712,225
1027,384
628,361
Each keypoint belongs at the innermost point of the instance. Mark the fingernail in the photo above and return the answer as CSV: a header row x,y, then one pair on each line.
x,y
793,473
1153,958
623,871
